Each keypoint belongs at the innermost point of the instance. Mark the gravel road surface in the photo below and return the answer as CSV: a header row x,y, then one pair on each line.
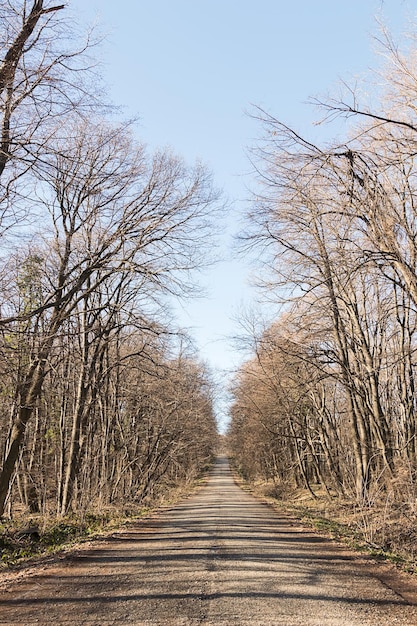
x,y
221,557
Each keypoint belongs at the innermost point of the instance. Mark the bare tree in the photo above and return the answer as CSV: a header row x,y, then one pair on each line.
x,y
43,76
113,211
337,225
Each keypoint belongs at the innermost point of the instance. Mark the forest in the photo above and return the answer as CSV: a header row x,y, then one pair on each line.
x,y
326,401
104,403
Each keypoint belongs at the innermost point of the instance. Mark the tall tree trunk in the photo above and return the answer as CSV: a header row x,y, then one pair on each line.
x,y
75,446
29,392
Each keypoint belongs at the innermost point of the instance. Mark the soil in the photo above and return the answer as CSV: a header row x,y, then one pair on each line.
x,y
220,557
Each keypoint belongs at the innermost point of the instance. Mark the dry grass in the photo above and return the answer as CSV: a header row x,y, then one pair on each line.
x,y
384,526
26,538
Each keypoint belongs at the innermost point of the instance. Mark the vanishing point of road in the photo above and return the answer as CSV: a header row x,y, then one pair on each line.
x,y
220,557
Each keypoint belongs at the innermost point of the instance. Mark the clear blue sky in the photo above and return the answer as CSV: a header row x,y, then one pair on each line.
x,y
192,69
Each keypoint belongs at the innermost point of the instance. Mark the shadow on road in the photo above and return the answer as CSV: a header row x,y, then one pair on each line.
x,y
220,557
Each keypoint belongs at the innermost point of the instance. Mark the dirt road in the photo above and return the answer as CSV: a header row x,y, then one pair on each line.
x,y
221,557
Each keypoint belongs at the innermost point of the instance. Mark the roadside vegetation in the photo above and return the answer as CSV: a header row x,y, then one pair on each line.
x,y
326,403
379,531
25,539
105,409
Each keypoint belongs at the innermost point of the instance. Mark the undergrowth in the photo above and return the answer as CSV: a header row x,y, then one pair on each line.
x,y
22,539
385,533
26,538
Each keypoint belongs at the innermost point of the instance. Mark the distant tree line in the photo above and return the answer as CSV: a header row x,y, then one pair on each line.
x,y
101,402
328,399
